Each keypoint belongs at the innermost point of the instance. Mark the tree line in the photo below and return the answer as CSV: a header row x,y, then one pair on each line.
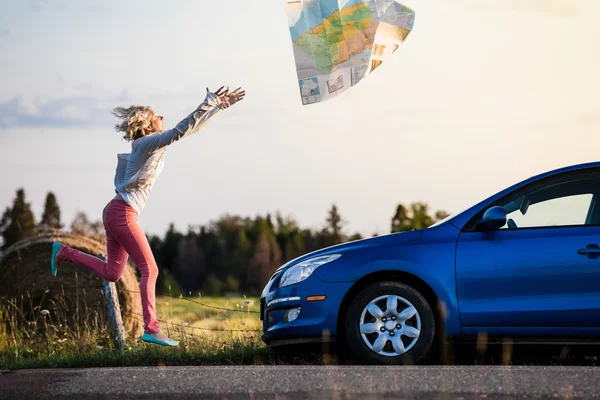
x,y
232,254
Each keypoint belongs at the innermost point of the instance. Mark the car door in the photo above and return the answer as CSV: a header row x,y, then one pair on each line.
x,y
542,269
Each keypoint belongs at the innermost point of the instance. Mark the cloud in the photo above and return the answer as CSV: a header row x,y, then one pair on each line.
x,y
61,5
75,111
39,5
96,9
85,105
35,5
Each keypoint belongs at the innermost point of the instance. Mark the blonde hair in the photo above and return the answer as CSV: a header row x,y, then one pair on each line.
x,y
137,120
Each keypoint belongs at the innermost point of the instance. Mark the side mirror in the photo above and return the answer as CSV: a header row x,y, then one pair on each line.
x,y
493,219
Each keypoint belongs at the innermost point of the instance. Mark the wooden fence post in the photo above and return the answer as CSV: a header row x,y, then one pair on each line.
x,y
114,313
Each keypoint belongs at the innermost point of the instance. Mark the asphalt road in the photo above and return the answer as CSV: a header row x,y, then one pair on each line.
x,y
309,382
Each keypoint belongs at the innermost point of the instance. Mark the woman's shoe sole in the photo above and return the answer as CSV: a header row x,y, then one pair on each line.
x,y
55,248
150,339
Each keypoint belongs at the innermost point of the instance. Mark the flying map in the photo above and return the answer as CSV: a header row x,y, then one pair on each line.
x,y
337,43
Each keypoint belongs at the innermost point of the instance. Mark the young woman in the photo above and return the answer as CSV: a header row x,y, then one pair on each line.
x,y
135,175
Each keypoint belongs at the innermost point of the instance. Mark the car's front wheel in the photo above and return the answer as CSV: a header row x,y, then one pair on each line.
x,y
389,323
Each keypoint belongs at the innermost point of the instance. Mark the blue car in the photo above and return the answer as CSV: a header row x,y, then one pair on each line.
x,y
524,263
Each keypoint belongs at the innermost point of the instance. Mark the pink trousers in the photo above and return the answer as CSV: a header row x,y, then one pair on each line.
x,y
124,238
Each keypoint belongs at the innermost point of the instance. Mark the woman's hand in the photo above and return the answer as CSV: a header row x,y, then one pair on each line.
x,y
229,99
222,95
237,95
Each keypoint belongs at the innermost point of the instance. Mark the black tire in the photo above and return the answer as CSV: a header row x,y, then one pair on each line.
x,y
360,352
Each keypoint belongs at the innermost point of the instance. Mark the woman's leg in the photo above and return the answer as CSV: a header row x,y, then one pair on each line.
x,y
113,268
130,235
125,236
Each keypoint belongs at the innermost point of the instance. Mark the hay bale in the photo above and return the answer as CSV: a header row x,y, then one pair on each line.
x,y
75,293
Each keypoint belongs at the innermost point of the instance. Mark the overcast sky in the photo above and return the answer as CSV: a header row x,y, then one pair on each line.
x,y
481,95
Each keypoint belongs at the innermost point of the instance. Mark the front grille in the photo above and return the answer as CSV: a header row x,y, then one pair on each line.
x,y
262,309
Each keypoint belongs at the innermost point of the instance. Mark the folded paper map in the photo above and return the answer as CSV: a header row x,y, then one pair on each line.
x,y
337,43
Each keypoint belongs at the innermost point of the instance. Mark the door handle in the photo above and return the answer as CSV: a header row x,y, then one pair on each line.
x,y
591,251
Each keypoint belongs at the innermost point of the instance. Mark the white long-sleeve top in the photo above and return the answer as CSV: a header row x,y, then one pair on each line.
x,y
137,171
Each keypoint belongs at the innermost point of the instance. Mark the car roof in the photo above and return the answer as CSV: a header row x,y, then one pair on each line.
x,y
462,218
575,167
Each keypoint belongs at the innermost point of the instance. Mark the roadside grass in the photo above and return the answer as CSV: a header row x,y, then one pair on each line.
x,y
208,335
211,331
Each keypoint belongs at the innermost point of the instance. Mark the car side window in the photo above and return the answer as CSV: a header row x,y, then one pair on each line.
x,y
562,211
568,201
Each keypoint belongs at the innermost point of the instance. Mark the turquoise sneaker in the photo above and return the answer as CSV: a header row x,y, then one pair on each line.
x,y
146,337
55,248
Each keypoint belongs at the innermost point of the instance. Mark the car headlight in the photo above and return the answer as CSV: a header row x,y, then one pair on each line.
x,y
303,270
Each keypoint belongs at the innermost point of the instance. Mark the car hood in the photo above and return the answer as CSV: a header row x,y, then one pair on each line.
x,y
393,238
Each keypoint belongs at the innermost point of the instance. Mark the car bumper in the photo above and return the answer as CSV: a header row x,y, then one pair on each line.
x,y
317,321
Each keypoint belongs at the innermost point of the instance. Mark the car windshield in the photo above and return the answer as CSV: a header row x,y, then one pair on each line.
x,y
449,217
